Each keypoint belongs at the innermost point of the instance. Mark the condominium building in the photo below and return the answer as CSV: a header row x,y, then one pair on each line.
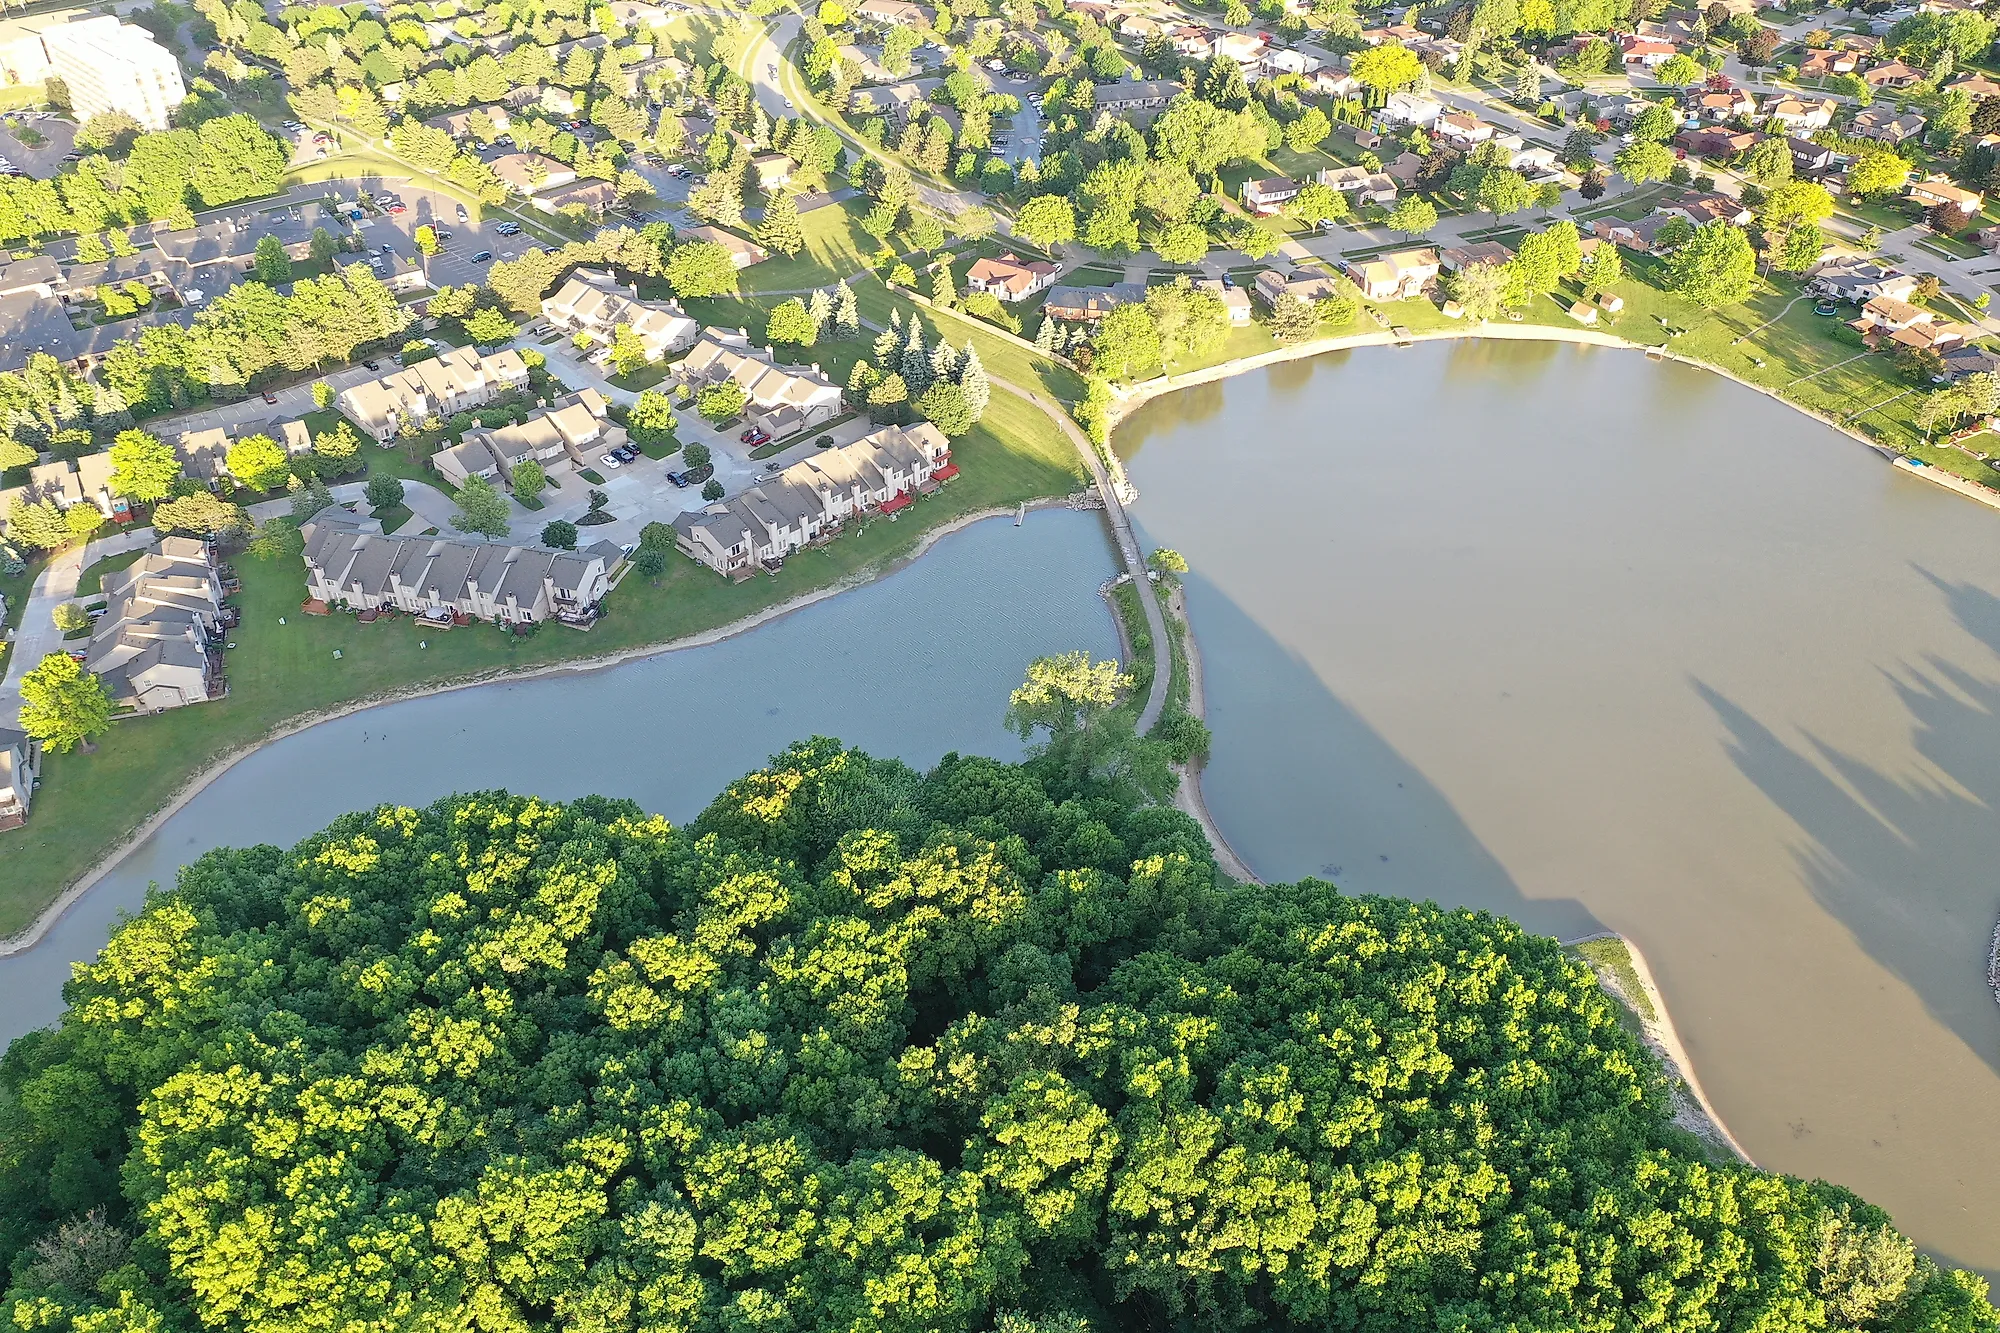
x,y
783,400
460,379
113,66
591,302
443,580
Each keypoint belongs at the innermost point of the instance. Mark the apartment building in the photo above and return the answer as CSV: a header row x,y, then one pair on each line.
x,y
460,379
592,302
113,66
811,499
444,579
784,400
159,643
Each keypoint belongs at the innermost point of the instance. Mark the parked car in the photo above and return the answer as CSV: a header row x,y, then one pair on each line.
x,y
746,435
610,460
463,216
678,478
756,439
270,397
371,365
482,256
626,454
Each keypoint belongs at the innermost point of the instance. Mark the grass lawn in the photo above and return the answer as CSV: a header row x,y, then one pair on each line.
x,y
836,248
645,377
395,516
91,802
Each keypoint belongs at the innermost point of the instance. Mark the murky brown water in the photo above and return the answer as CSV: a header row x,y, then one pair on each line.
x,y
1592,641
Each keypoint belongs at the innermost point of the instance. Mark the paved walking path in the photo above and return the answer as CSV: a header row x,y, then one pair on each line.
x,y
1128,547
38,636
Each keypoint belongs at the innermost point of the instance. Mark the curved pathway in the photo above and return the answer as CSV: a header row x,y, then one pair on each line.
x,y
1128,548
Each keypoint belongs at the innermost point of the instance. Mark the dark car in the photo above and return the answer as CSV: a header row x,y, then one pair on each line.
x,y
371,365
627,453
678,478
270,397
482,256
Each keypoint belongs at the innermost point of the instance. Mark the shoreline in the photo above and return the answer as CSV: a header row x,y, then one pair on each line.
x,y
1130,399
1693,1111
36,930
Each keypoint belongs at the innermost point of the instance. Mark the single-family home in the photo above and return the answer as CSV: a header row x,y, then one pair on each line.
x,y
1279,61
1720,104
1809,157
1966,359
530,173
1307,285
1454,258
1718,142
1932,193
1702,208
459,379
813,498
1641,235
742,253
1269,195
1086,304
1328,81
1234,299
447,580
1011,278
591,301
1405,109
1853,278
1800,115
1893,74
1394,277
895,13
1821,63
1884,124
782,400
1645,52
158,644
1975,86
774,170
1366,187
1462,129
20,764
1245,48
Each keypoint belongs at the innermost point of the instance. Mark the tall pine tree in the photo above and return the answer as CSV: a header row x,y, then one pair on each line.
x,y
846,312
915,363
972,379
781,229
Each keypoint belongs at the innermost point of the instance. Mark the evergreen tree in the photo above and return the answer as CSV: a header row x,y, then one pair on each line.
x,y
944,362
781,231
860,381
972,379
1045,336
890,340
820,306
846,312
915,362
943,293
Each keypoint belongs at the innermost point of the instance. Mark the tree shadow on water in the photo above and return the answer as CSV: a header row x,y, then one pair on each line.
x,y
1302,785
1905,860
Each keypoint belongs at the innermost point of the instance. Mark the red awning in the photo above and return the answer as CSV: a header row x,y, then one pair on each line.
x,y
947,472
900,500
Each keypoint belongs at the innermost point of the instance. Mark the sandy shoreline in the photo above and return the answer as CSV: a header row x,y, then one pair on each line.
x,y
1693,1110
32,934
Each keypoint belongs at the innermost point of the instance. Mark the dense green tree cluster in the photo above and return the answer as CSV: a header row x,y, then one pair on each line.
x,y
164,176
863,1049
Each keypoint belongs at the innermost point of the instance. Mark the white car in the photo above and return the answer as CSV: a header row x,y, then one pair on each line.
x,y
609,461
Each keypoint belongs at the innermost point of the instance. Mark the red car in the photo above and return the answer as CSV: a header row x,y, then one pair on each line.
x,y
749,435
756,438
270,397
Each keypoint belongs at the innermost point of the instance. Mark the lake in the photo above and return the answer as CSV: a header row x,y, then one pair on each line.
x,y
1554,631
915,665
1596,642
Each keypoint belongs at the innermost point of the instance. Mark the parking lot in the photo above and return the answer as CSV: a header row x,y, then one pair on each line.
x,y
43,161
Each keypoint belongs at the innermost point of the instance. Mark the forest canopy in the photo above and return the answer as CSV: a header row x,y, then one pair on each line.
x,y
866,1049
